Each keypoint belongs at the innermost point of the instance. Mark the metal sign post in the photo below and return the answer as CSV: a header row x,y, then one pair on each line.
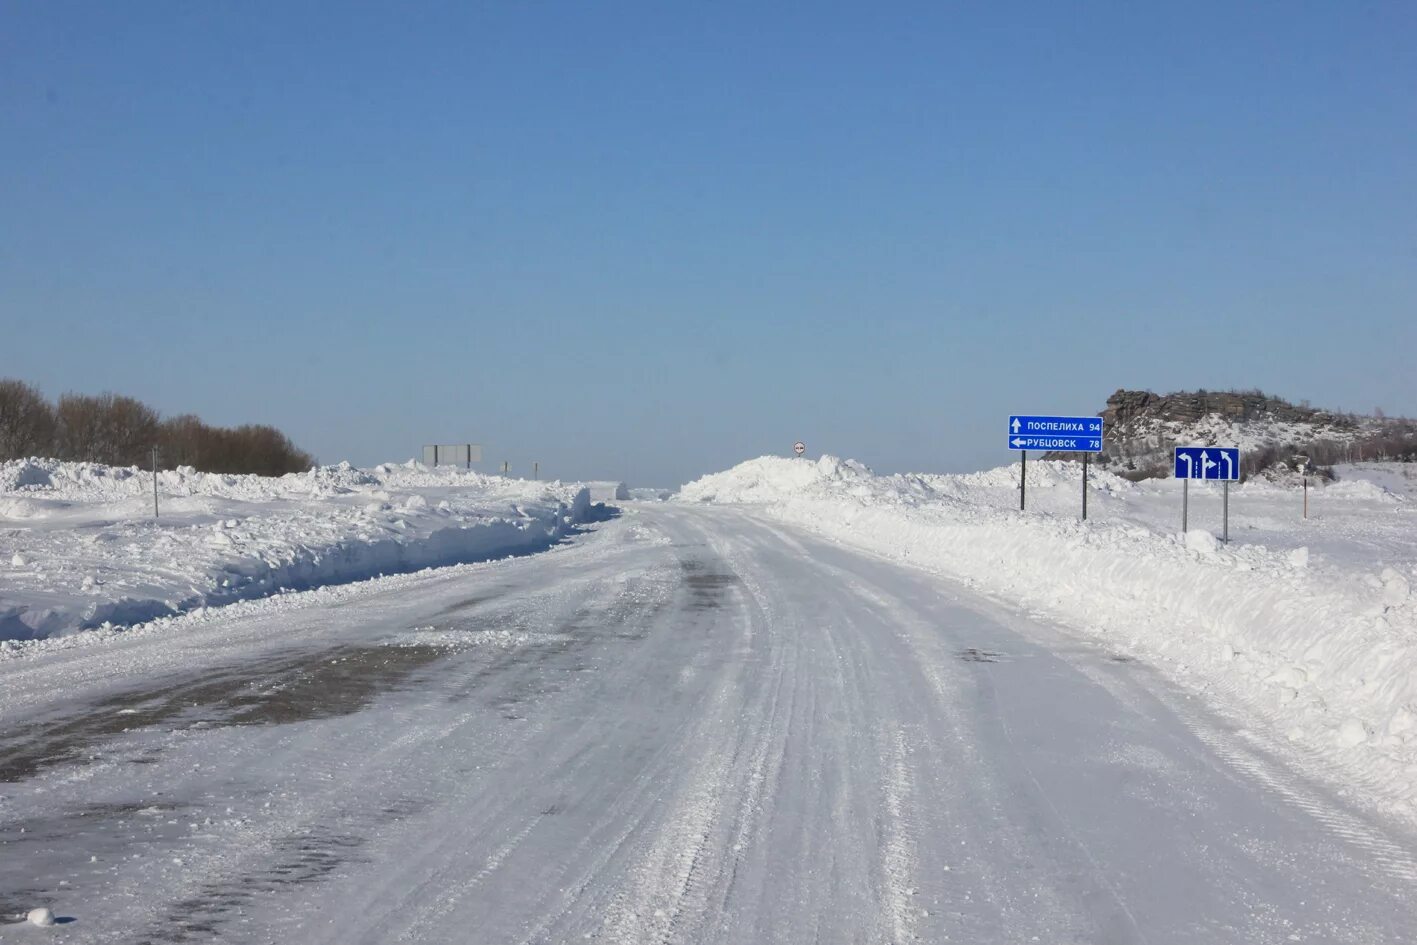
x,y
1209,463
1084,487
452,454
1056,434
1302,462
155,513
1225,514
1022,479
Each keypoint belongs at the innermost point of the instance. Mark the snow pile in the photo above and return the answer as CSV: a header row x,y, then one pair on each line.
x,y
1309,624
608,491
772,479
79,546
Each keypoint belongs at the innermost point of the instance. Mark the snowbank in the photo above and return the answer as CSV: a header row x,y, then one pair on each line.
x,y
79,546
1309,624
608,491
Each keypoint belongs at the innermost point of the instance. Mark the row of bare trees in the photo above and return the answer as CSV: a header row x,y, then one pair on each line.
x,y
121,431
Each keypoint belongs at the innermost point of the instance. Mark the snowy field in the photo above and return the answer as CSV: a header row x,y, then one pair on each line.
x,y
1305,628
80,549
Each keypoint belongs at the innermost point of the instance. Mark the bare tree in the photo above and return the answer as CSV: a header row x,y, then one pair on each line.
x,y
118,430
26,421
81,428
107,428
132,427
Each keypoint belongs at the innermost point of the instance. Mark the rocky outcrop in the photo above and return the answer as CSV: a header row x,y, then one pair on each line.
x,y
1126,407
1142,427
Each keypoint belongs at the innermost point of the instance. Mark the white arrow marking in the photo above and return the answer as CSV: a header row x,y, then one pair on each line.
x,y
1206,464
1019,442
1229,465
1190,465
1015,424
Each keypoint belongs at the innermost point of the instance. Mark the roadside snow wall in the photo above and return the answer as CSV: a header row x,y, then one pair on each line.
x,y
79,547
608,491
1326,655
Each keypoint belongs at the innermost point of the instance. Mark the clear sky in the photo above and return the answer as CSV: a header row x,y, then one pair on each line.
x,y
654,239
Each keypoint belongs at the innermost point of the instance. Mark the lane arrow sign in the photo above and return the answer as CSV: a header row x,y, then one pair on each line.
x,y
1205,462
1016,424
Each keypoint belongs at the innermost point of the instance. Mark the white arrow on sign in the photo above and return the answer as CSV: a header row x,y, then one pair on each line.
x,y
1190,465
1019,442
1229,466
1206,463
1015,425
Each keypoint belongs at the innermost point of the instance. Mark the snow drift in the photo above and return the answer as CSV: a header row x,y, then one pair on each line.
x,y
1308,624
79,546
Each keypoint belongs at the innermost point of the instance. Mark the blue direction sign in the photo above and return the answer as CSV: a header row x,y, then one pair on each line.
x,y
1056,434
1208,462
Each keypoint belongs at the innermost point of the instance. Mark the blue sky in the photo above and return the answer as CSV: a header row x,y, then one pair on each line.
x,y
653,239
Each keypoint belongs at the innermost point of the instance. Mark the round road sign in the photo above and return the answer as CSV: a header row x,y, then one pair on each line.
x,y
799,447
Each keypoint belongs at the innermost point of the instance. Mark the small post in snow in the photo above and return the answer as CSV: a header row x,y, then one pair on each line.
x,y
155,512
506,467
1225,514
1084,487
1185,504
535,471
1022,478
1303,463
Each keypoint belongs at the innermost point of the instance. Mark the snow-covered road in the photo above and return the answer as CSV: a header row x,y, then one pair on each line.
x,y
687,725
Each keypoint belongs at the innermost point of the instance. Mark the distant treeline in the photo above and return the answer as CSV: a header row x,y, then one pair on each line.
x,y
121,431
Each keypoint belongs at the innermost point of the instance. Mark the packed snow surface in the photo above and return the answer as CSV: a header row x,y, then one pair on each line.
x,y
79,546
689,724
1309,625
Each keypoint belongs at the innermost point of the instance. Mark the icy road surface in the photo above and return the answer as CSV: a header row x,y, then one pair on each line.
x,y
686,725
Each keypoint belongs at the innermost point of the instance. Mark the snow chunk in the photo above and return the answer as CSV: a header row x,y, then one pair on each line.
x,y
25,474
1201,541
1352,732
1299,557
1396,589
1291,677
41,916
1403,722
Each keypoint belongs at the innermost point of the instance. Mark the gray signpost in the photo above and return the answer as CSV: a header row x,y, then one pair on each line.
x,y
1056,435
452,454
